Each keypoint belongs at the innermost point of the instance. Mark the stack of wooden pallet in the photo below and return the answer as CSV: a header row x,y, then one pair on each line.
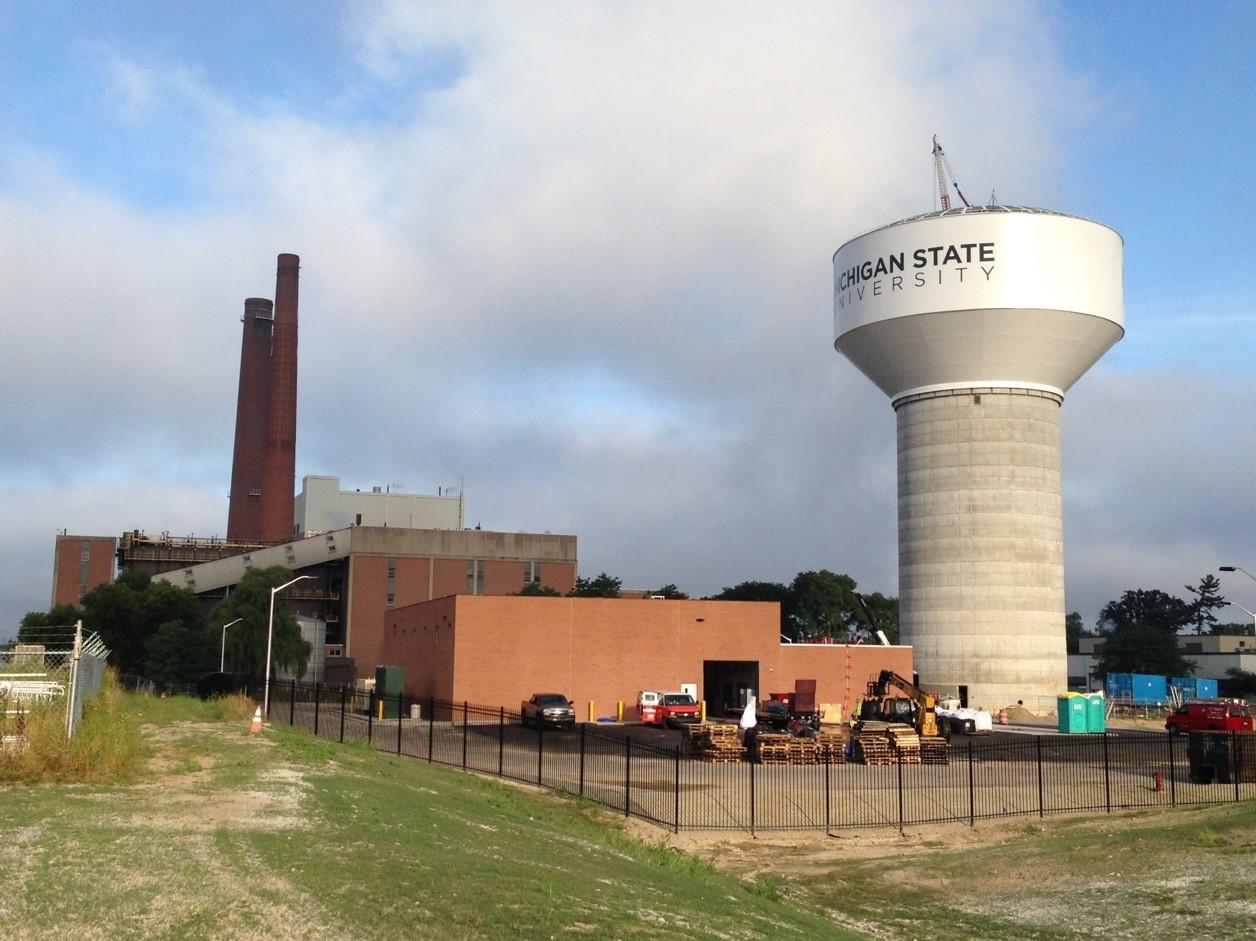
x,y
772,748
802,751
934,750
715,742
871,744
905,741
830,748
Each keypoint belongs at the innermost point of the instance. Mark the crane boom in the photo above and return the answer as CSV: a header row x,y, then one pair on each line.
x,y
942,167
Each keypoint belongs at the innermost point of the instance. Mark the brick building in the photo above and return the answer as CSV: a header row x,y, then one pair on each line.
x,y
361,573
79,564
497,651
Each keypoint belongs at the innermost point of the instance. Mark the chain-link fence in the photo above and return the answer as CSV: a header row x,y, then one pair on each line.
x,y
48,664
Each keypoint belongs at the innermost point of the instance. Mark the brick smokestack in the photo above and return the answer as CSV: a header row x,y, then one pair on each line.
x,y
244,517
279,468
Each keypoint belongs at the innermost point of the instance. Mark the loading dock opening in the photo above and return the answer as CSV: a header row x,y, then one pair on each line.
x,y
728,684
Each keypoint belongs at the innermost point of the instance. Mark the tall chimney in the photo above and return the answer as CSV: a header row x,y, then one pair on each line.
x,y
244,517
280,460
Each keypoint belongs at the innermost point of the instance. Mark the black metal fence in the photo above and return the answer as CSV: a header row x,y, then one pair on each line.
x,y
1033,776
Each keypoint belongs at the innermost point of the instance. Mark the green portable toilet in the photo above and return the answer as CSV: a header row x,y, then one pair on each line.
x,y
1071,709
389,685
1096,708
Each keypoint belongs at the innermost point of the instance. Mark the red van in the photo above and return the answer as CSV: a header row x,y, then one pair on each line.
x,y
1210,717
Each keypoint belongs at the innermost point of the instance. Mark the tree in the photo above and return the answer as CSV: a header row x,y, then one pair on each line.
x,y
1142,628
1145,608
1207,599
883,612
754,591
1238,683
537,589
1138,648
246,641
114,611
823,604
178,652
58,615
603,586
670,591
1074,628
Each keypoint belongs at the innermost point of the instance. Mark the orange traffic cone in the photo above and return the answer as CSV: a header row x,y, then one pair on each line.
x,y
256,725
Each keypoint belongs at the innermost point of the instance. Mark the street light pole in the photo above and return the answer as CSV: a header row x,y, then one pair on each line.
x,y
270,634
222,659
1237,568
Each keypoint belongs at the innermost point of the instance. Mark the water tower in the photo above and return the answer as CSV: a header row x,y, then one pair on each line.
x,y
975,322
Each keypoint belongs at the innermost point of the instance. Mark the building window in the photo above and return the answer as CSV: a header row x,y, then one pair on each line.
x,y
392,581
475,576
388,600
1193,648
531,573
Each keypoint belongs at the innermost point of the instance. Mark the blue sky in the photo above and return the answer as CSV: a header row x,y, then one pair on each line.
x,y
576,254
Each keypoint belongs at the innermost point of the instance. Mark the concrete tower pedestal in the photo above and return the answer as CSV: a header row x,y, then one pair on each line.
x,y
981,544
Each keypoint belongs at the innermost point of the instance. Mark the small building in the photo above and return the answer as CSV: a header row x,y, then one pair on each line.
x,y
497,651
322,506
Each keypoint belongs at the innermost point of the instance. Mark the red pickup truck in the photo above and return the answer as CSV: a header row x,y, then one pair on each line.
x,y
672,709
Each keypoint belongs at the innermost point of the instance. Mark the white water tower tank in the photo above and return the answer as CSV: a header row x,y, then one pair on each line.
x,y
975,322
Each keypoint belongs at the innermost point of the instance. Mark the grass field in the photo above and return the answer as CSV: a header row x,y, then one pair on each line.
x,y
227,835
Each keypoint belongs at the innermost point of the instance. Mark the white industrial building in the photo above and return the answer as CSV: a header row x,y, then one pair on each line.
x,y
975,322
322,507
1214,655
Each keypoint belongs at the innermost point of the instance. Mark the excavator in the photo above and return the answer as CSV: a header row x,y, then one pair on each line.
x,y
915,708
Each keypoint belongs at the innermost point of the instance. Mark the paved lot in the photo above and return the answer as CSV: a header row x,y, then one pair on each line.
x,y
1005,773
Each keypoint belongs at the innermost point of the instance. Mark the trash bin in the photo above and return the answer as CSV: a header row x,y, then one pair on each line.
x,y
1071,710
1096,712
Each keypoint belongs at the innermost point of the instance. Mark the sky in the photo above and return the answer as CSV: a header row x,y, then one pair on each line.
x,y
576,259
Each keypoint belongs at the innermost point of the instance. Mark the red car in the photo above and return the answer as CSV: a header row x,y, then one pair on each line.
x,y
1210,717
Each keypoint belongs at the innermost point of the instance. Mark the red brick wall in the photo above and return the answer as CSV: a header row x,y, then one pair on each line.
x,y
368,586
67,570
420,640
602,650
841,678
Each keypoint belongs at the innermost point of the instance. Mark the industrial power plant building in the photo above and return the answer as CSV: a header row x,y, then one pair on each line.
x,y
975,322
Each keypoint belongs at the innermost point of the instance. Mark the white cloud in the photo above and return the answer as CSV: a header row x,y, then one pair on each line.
x,y
632,206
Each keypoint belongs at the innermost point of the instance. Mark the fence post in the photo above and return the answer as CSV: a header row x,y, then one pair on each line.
x,y
292,705
753,762
466,718
583,726
501,739
540,752
900,791
1234,762
1107,776
627,775
1172,773
1038,749
828,758
972,791
676,809
342,714
317,703
401,707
